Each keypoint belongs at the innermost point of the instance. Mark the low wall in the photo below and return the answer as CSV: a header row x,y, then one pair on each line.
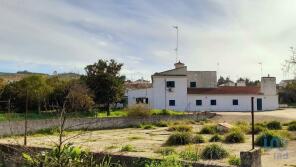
x,y
18,128
12,157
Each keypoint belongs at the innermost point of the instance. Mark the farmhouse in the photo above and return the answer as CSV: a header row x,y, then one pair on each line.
x,y
183,90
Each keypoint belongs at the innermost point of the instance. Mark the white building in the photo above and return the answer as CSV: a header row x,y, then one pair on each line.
x,y
182,90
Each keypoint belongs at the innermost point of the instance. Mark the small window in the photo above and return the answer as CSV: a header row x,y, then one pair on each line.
x,y
192,84
170,84
235,102
198,102
213,102
172,103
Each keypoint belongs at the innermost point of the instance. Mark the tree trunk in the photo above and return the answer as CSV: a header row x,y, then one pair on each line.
x,y
39,107
108,109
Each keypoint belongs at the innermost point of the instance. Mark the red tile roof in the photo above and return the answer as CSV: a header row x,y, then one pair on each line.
x,y
225,90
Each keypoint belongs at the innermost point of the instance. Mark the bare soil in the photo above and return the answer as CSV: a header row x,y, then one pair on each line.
x,y
148,141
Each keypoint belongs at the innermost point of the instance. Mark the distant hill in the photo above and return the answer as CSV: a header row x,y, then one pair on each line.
x,y
10,77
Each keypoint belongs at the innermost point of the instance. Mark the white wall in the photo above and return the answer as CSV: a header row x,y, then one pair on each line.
x,y
161,95
224,102
136,93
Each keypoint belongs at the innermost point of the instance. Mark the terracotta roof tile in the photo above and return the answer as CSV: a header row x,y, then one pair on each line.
x,y
225,90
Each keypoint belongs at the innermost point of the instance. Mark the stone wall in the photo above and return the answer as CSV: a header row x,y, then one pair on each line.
x,y
17,127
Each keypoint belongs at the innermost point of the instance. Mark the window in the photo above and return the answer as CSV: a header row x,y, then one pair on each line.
x,y
213,102
170,84
192,84
235,102
198,102
172,103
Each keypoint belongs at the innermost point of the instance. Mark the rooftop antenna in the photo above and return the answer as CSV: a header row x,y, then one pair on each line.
x,y
177,43
261,64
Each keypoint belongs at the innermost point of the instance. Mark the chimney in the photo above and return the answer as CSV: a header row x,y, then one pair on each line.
x,y
179,65
268,85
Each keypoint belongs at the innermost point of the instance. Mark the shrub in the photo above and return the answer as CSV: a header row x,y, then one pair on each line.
x,y
214,151
235,161
292,126
189,154
208,129
139,110
179,138
128,148
258,129
147,126
235,137
162,124
198,139
181,128
270,139
274,125
169,161
242,126
166,151
216,138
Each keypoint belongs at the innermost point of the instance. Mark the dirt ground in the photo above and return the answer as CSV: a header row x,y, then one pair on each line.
x,y
147,141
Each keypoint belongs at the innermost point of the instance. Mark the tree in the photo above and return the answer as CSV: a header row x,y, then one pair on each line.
x,y
289,65
2,84
37,89
107,84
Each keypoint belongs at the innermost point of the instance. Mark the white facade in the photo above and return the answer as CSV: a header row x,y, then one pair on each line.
x,y
182,90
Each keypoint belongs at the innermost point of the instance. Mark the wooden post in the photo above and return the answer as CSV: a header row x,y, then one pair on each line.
x,y
253,135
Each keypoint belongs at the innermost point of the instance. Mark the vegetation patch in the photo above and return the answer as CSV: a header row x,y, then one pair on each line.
x,y
128,148
258,128
179,138
213,152
242,126
270,139
190,154
235,137
162,124
274,125
235,161
181,128
198,139
139,110
292,126
216,138
209,129
165,151
147,126
134,138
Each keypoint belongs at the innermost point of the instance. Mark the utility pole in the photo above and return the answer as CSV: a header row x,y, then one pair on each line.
x,y
253,136
26,119
177,43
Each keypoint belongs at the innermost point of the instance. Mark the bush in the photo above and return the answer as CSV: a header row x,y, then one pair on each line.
x,y
147,126
166,151
179,138
161,124
189,154
209,129
128,148
270,139
235,161
242,126
139,110
292,126
198,139
170,161
235,137
274,125
216,138
258,129
181,128
214,151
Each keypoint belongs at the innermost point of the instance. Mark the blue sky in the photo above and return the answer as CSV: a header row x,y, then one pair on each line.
x,y
66,35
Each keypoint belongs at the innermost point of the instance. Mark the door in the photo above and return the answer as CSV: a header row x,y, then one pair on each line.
x,y
259,104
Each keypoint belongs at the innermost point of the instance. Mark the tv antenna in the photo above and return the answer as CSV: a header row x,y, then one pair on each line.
x,y
261,64
177,43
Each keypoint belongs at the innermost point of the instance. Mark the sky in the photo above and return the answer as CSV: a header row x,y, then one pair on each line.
x,y
228,36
